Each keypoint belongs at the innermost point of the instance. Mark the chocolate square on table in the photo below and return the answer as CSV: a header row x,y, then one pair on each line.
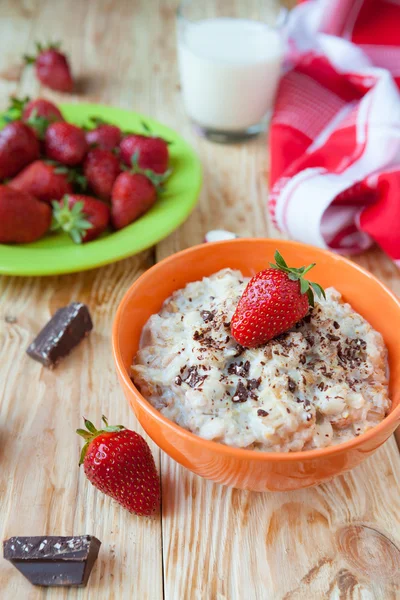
x,y
53,560
64,331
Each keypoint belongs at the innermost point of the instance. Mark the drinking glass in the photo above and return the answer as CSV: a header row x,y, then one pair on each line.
x,y
230,54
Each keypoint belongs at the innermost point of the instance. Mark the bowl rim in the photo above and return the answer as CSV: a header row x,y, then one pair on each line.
x,y
218,447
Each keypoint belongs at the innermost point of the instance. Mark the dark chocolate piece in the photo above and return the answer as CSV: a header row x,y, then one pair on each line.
x,y
53,560
63,332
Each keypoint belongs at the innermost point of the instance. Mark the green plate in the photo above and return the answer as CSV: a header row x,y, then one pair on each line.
x,y
57,253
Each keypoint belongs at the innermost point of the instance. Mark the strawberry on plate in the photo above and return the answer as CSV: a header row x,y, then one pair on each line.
x,y
52,67
132,195
18,148
42,108
23,218
104,135
45,181
25,109
151,152
84,218
119,463
65,143
274,300
101,169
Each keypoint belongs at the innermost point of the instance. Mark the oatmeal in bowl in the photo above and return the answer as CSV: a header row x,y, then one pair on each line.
x,y
189,345
322,382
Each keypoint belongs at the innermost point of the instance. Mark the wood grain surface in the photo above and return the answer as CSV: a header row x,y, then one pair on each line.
x,y
338,541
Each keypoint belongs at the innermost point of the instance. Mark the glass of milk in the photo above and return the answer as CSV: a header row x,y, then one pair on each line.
x,y
230,54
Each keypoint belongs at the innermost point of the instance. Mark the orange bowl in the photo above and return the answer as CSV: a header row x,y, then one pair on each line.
x,y
237,467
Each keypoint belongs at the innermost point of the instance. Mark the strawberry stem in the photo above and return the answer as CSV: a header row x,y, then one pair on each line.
x,y
156,179
297,274
71,220
91,433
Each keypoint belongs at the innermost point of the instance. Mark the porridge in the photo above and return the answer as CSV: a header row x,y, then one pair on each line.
x,y
321,383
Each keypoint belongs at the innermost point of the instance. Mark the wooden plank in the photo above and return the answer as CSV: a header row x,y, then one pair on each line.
x,y
42,489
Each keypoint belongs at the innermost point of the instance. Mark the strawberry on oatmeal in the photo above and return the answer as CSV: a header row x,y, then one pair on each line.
x,y
320,383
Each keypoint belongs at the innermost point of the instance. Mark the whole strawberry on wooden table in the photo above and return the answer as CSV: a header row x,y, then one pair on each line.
x,y
94,178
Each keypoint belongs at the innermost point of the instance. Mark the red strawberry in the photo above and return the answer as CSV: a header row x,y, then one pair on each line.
x,y
52,67
18,148
45,181
101,168
132,195
41,108
274,300
84,218
104,135
65,143
119,463
23,219
24,109
151,152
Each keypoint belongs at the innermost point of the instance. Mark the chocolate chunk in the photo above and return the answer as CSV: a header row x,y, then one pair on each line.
x,y
239,350
242,370
53,560
207,315
253,384
227,325
336,325
178,380
63,332
310,340
241,394
198,336
302,359
332,338
262,413
291,385
193,378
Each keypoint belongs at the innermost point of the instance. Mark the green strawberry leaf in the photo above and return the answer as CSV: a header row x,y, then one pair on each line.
x,y
85,434
83,453
318,289
304,286
310,296
280,261
89,425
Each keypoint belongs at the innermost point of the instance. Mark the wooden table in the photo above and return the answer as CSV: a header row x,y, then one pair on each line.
x,y
338,541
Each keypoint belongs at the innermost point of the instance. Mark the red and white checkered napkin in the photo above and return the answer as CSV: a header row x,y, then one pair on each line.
x,y
335,132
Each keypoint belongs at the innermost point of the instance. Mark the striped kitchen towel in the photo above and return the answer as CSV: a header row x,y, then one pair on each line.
x,y
335,132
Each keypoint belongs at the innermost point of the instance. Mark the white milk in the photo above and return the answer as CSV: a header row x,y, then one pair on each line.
x,y
229,71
